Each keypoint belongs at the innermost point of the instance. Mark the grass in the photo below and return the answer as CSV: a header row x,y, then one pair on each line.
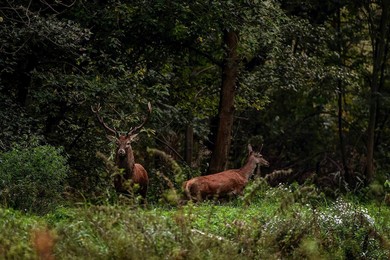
x,y
282,222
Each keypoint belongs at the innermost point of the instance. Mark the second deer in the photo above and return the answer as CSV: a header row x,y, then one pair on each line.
x,y
224,184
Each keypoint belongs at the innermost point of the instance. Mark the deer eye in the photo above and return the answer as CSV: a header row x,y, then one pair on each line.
x,y
128,144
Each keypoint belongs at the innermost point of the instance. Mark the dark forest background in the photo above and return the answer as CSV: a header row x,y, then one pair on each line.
x,y
308,80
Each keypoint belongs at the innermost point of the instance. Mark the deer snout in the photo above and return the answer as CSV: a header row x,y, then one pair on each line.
x,y
121,152
263,162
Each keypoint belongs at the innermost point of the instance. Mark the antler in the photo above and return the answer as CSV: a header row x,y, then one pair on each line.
x,y
96,112
135,130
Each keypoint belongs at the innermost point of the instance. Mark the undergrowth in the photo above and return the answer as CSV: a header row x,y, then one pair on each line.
x,y
32,179
294,222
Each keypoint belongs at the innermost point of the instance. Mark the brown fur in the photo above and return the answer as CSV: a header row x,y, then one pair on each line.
x,y
133,173
224,184
43,242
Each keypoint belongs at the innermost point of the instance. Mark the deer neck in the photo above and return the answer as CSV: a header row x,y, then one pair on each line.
x,y
126,162
247,170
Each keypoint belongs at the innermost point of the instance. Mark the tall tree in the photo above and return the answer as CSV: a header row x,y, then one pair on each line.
x,y
245,26
226,103
379,33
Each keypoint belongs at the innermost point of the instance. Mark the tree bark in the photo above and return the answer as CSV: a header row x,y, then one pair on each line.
x,y
23,78
189,144
220,153
379,41
348,176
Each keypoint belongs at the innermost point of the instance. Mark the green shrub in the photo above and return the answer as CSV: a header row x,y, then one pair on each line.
x,y
15,234
32,179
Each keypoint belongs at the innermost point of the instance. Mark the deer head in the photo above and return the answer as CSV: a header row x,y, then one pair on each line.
x,y
257,156
123,141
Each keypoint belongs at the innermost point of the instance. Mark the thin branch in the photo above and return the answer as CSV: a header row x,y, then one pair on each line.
x,y
27,13
170,148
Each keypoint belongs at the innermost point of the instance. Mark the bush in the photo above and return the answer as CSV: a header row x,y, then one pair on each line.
x,y
32,179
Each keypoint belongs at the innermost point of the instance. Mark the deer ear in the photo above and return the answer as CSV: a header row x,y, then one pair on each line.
x,y
111,138
250,150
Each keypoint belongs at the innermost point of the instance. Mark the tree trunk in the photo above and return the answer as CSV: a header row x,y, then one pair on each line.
x,y
220,153
348,176
189,144
23,75
379,41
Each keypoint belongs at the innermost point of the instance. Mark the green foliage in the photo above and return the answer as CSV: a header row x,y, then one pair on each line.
x,y
32,179
15,234
338,229
295,65
168,176
17,126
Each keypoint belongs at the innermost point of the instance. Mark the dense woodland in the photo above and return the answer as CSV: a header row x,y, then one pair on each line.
x,y
308,80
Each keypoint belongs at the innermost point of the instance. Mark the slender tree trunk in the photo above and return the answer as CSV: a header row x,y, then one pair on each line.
x,y
220,153
189,144
379,42
348,177
24,79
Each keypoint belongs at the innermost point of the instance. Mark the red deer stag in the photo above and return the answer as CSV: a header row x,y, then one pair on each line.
x,y
133,173
224,184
